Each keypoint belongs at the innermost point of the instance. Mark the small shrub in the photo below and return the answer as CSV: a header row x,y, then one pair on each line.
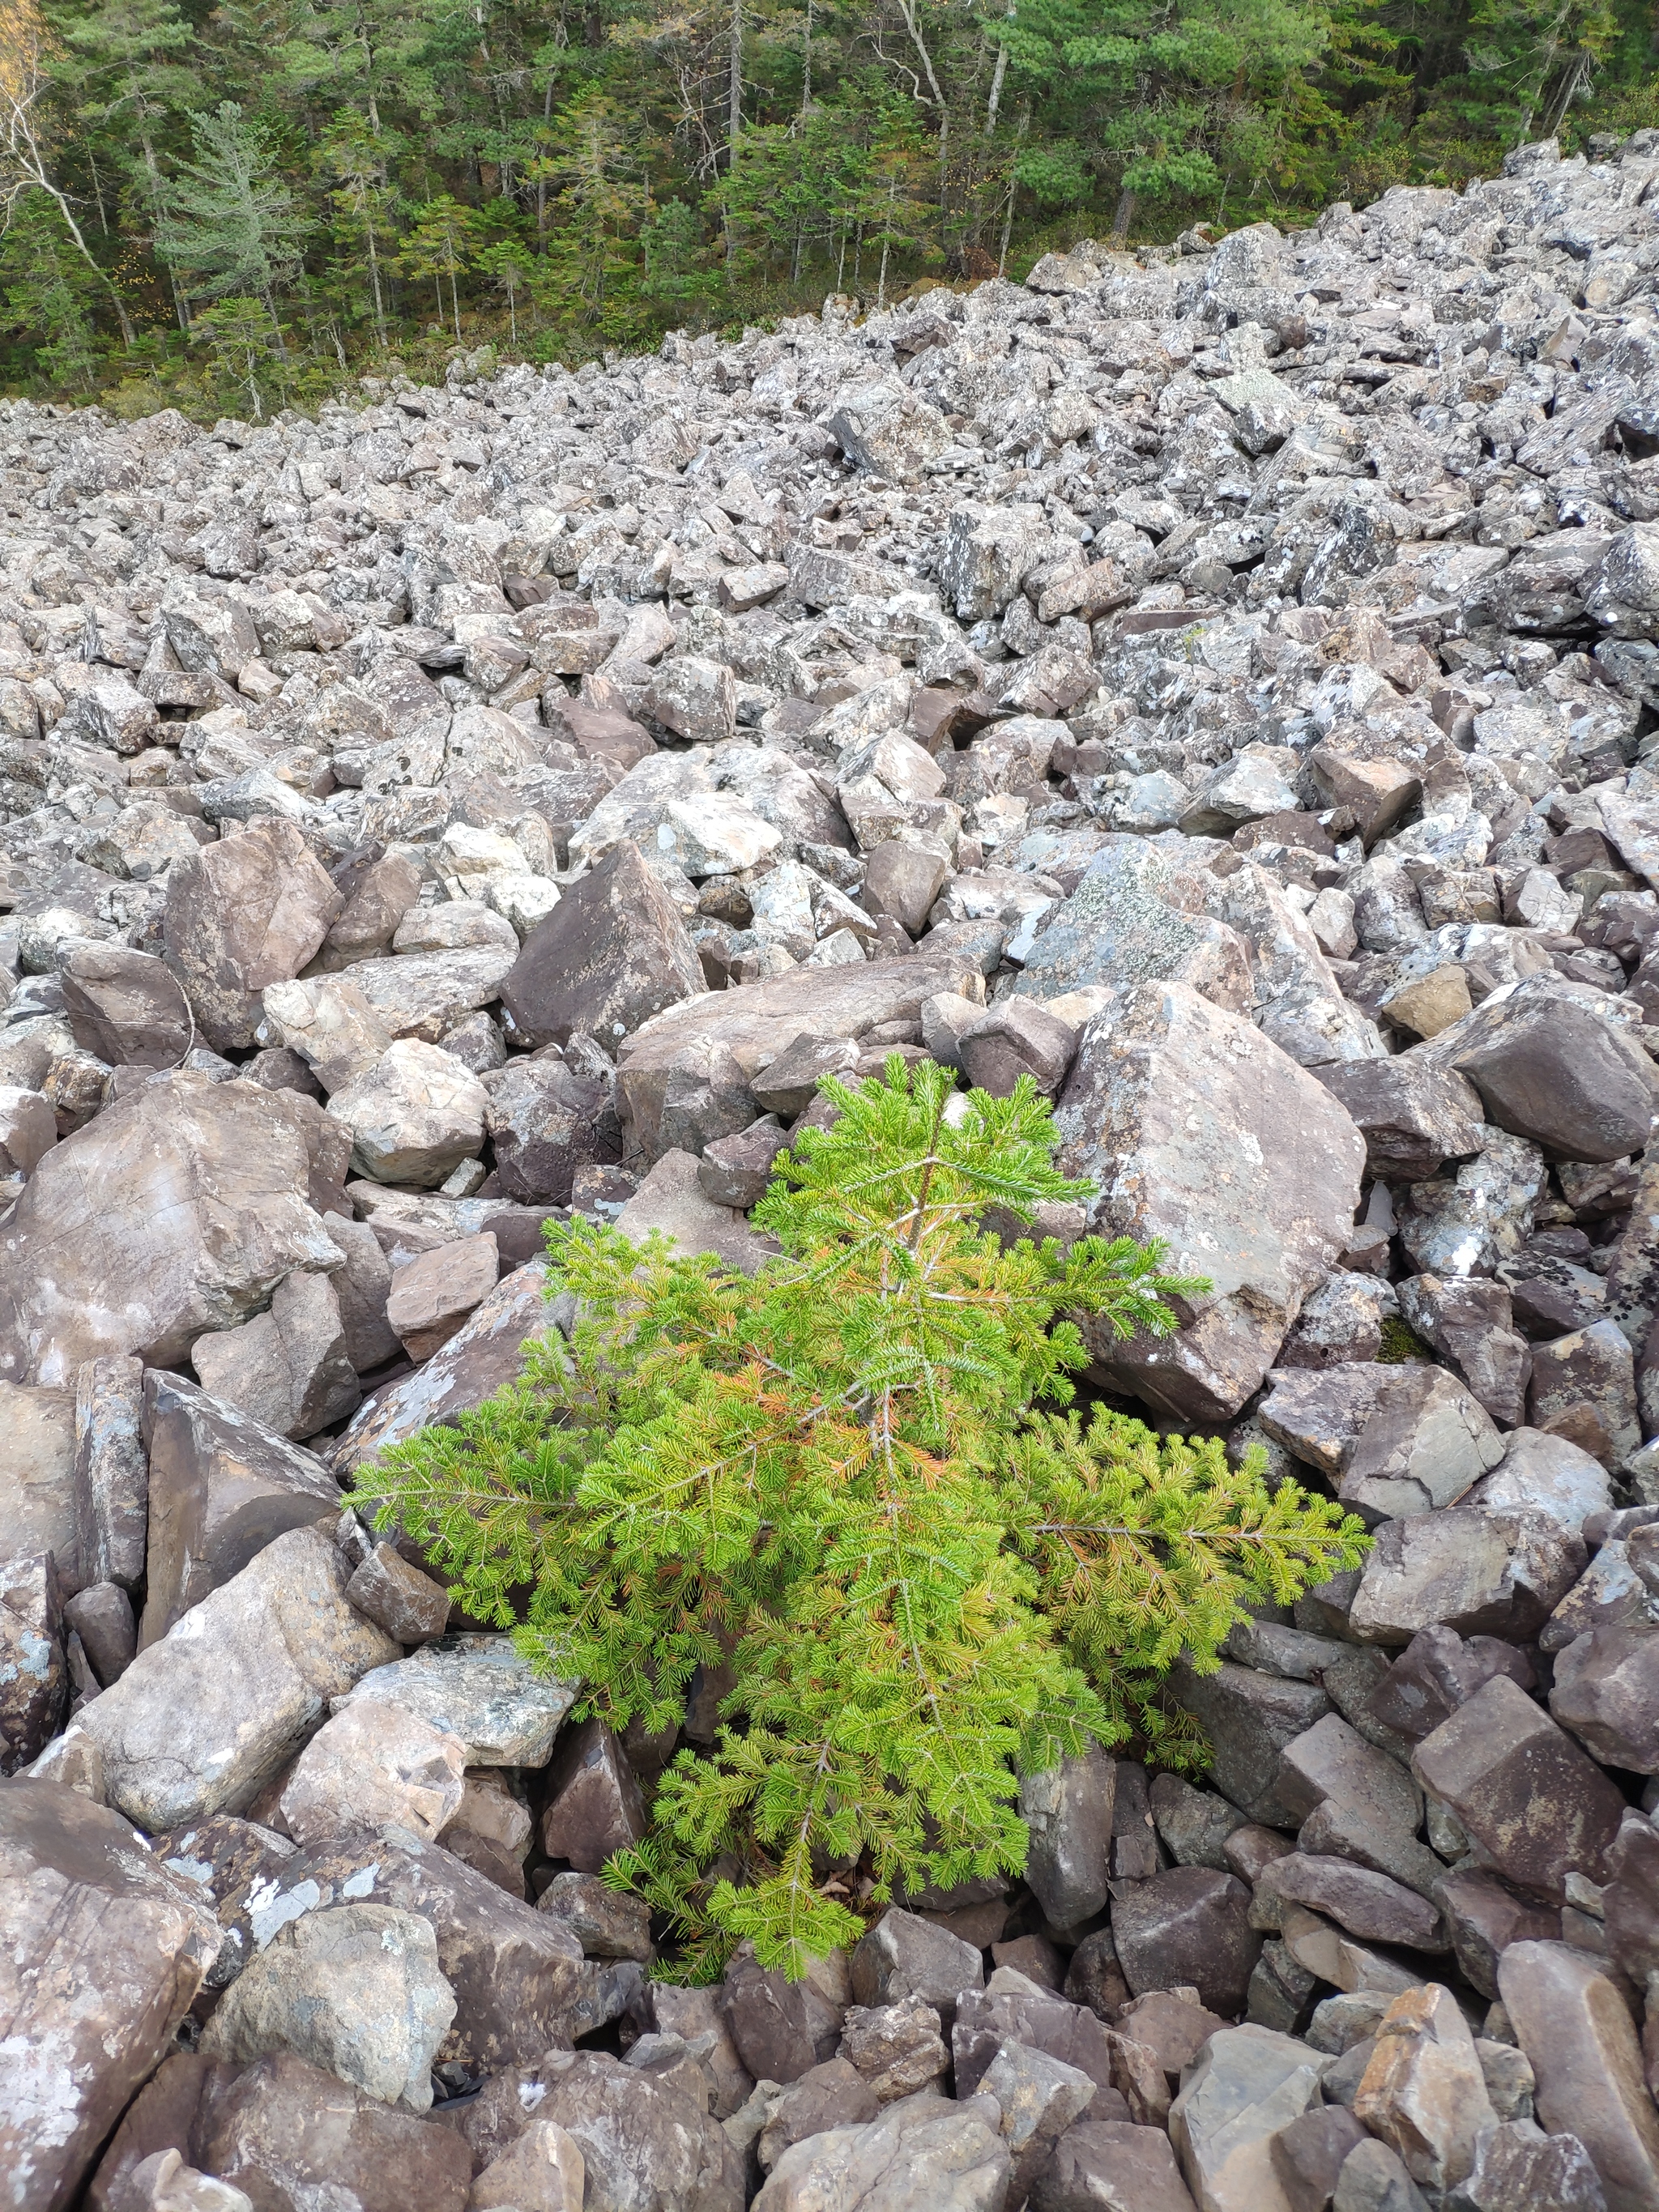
x,y
857,1479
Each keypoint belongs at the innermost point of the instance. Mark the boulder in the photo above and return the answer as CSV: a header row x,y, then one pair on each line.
x,y
594,1805
648,2142
356,1989
486,1351
37,1511
431,1295
921,2156
374,1766
1366,1903
1573,2024
34,1682
1538,1808
125,1007
1040,2096
28,1127
1479,1572
289,1368
398,1597
414,1116
289,2134
1607,1692
1249,1718
1247,2084
545,1120
1469,1322
1414,1118
894,2051
543,2172
221,1487
607,1922
1583,1388
1517,2166
250,910
671,1199
1423,2092
519,1980
1191,1926
1111,2165
1199,1130
1068,1813
179,1212
103,1953
203,1718
1426,1441
904,1956
479,1688
1553,1072
1438,1671
987,2019
613,952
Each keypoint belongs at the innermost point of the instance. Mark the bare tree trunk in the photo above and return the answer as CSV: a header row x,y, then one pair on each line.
x,y
1572,77
1013,187
1124,213
734,96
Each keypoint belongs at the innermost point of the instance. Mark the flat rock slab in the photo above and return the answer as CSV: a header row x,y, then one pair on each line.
x,y
480,1688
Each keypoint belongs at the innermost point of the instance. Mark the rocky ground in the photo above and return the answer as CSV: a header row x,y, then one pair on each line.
x,y
1223,684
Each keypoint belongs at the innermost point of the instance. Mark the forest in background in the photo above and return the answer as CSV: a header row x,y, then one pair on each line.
x,y
326,187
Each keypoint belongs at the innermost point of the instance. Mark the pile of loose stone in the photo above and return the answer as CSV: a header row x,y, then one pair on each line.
x,y
1219,685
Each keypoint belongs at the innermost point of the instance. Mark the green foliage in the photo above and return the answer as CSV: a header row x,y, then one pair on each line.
x,y
872,147
230,224
48,287
858,1478
245,348
1400,1344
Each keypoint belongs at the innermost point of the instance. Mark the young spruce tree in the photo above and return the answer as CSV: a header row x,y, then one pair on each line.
x,y
855,1478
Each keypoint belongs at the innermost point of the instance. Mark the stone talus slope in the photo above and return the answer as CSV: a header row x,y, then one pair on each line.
x,y
1220,684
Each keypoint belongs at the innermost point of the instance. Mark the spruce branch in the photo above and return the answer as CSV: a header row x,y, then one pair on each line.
x,y
858,1482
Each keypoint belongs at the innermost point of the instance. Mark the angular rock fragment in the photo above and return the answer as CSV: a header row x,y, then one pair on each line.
x,y
250,910
104,1952
1523,1789
355,1989
479,1688
613,952
205,1716
221,1487
178,1212
1169,1104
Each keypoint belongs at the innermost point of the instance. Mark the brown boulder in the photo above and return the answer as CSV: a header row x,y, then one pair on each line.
x,y
1525,1792
102,1953
177,1212
221,1488
125,1007
613,952
250,910
1199,1129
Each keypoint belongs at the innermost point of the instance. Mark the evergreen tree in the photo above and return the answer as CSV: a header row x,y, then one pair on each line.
x,y
857,1477
49,290
232,224
246,348
124,67
438,245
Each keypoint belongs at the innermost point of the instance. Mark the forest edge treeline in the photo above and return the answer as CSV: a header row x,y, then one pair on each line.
x,y
205,206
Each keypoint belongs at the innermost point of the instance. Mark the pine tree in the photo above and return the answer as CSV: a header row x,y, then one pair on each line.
x,y
48,289
443,236
858,1476
232,224
246,347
